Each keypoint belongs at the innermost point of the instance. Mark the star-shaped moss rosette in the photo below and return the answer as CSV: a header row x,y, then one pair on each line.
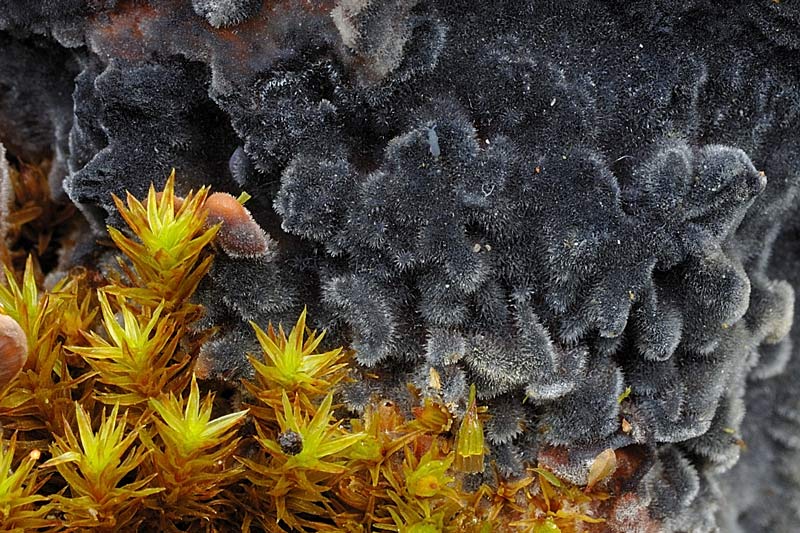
x,y
297,479
136,361
21,508
97,467
167,260
291,363
37,399
192,455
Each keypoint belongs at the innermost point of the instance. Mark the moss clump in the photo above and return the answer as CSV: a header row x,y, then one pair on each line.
x,y
110,430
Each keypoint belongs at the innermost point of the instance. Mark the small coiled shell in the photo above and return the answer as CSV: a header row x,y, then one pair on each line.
x,y
13,349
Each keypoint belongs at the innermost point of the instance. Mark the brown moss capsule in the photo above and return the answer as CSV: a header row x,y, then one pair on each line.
x,y
602,467
240,235
13,349
469,439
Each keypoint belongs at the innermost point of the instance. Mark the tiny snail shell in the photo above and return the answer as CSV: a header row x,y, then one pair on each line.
x,y
240,235
13,349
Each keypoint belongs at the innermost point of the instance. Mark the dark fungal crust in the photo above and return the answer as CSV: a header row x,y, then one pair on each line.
x,y
552,200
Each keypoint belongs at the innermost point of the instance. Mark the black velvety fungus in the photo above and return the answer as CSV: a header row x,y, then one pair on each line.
x,y
552,200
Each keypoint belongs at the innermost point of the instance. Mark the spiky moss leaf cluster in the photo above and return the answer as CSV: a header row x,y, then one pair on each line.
x,y
192,454
95,465
168,260
301,447
145,354
136,360
20,506
296,479
128,470
289,364
38,399
144,358
385,472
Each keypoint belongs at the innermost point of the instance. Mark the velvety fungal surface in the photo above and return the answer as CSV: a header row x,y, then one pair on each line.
x,y
554,201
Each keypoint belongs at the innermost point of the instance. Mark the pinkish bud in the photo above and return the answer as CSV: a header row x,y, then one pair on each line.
x,y
240,235
13,349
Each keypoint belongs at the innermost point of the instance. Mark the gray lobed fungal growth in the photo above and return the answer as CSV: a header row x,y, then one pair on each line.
x,y
220,13
554,201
